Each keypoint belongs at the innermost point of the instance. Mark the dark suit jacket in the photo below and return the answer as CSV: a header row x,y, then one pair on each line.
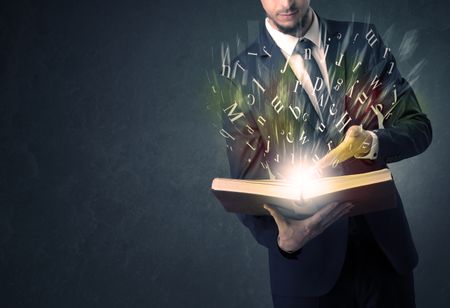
x,y
259,134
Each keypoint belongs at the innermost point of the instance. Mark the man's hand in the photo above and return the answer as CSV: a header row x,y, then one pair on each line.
x,y
294,234
357,142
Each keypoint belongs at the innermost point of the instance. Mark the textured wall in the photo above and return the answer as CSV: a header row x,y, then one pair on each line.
x,y
108,150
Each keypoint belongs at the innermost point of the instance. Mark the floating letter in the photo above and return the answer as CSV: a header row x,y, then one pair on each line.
x,y
231,113
371,38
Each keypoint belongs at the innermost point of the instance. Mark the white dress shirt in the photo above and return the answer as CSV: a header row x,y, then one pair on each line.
x,y
287,43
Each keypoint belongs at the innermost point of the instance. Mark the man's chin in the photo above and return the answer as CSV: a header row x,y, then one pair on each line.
x,y
288,28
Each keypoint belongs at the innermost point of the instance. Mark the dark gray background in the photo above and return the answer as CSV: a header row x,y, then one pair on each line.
x,y
108,150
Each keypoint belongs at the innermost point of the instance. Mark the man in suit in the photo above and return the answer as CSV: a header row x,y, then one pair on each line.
x,y
312,92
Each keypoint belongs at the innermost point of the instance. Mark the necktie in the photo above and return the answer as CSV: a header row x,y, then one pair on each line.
x,y
305,47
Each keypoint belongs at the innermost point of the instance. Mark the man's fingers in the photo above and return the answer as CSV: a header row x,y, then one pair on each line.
x,y
328,212
339,211
343,155
316,171
343,212
279,219
339,154
322,213
327,160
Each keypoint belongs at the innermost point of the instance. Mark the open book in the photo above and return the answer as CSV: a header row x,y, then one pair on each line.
x,y
369,192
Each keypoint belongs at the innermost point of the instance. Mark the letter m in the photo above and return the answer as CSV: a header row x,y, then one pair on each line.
x,y
231,114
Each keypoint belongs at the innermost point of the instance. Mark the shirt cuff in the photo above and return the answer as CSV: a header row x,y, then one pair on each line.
x,y
373,153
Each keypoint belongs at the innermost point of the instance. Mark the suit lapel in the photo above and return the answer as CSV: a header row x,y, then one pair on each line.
x,y
274,70
334,43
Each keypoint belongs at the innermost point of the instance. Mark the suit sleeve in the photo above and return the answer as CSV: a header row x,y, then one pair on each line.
x,y
406,130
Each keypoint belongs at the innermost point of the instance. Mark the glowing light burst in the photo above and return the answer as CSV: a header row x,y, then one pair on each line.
x,y
302,181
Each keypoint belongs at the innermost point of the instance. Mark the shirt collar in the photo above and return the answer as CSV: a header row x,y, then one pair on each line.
x,y
287,42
